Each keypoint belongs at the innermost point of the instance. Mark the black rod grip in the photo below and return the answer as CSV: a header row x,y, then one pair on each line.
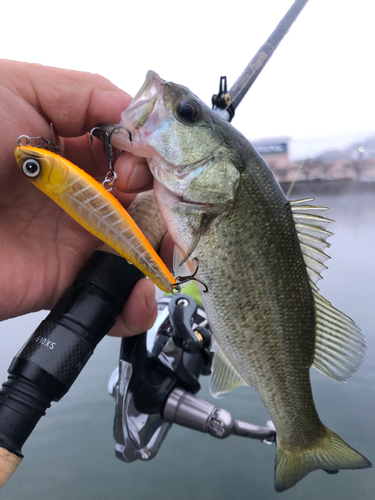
x,y
52,358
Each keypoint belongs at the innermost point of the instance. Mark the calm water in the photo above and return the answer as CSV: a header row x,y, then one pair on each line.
x,y
70,454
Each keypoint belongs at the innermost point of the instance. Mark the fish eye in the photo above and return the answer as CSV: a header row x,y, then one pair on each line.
x,y
31,168
188,110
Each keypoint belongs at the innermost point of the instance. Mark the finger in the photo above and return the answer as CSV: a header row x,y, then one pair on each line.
x,y
92,158
133,173
73,101
139,312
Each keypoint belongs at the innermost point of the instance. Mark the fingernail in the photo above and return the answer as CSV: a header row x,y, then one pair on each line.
x,y
133,179
150,299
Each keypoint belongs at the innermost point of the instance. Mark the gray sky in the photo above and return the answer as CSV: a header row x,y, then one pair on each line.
x,y
319,83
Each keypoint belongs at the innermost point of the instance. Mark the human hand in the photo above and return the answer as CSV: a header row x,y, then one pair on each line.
x,y
41,247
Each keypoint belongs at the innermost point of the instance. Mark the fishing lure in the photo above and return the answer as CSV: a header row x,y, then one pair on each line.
x,y
94,208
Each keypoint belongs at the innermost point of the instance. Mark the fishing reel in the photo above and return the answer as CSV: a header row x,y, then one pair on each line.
x,y
156,383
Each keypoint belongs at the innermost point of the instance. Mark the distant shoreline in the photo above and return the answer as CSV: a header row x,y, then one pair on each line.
x,y
323,186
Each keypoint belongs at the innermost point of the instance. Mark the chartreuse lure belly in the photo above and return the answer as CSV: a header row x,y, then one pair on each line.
x,y
94,208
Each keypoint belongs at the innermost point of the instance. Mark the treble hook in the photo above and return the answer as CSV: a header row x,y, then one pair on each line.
x,y
48,145
105,137
180,280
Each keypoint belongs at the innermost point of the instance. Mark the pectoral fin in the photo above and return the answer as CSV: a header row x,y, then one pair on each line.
x,y
206,220
195,240
180,267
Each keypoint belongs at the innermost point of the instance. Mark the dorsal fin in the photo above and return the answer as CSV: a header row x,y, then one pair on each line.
x,y
312,234
339,343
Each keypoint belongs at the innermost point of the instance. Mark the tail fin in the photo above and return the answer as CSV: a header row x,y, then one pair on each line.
x,y
329,452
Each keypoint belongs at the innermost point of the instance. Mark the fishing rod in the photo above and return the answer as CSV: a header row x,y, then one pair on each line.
x,y
226,102
51,360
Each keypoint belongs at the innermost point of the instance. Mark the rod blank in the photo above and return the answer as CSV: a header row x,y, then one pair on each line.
x,y
257,63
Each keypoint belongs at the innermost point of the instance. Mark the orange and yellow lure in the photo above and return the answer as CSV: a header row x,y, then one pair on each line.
x,y
92,206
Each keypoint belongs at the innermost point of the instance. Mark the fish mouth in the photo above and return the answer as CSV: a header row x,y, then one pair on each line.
x,y
144,102
141,117
152,86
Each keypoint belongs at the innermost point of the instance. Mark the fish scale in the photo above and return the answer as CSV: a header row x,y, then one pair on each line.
x,y
260,258
262,309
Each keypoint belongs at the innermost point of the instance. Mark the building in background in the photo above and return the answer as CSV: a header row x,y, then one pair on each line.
x,y
275,151
354,161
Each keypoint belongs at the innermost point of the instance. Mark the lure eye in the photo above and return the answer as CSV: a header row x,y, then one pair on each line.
x,y
188,111
31,168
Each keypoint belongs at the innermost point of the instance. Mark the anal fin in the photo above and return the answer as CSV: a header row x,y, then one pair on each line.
x,y
339,343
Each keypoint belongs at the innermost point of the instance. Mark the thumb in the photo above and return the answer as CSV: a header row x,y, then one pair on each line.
x,y
139,313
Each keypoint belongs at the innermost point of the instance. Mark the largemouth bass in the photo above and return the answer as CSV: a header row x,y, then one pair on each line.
x,y
260,257
92,206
